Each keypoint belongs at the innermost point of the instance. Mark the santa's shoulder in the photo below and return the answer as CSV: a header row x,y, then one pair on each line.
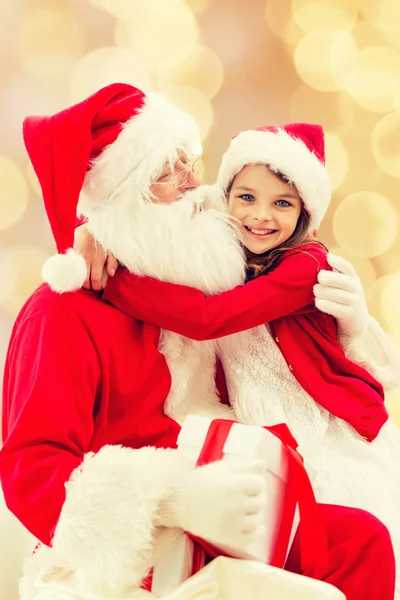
x,y
81,305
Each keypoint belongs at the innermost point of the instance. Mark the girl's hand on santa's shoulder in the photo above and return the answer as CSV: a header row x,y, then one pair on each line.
x,y
99,264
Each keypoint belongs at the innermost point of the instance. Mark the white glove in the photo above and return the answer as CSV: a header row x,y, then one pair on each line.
x,y
340,293
223,503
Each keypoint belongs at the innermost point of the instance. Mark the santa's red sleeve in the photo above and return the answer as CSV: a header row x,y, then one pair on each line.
x,y
189,312
97,509
50,384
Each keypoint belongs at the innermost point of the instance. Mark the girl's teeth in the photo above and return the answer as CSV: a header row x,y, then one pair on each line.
x,y
261,231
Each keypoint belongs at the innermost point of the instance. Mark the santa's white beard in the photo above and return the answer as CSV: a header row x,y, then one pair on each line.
x,y
172,242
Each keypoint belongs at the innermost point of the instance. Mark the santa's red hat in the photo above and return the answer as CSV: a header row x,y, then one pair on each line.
x,y
118,137
296,150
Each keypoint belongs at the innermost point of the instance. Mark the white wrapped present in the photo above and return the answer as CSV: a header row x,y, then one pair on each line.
x,y
203,440
246,441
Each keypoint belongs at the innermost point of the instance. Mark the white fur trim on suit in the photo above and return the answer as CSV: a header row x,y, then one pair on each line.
x,y
287,155
106,534
106,526
375,351
65,272
135,159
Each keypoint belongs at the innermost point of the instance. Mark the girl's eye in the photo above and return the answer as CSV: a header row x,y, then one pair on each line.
x,y
247,197
282,203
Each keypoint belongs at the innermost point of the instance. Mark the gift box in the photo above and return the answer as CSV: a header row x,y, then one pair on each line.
x,y
247,442
289,499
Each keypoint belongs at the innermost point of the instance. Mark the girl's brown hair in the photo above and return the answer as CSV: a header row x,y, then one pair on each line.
x,y
261,264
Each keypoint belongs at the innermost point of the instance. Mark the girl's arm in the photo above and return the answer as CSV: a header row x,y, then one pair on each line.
x,y
186,311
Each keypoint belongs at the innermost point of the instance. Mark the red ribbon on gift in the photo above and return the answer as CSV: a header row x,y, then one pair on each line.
x,y
313,540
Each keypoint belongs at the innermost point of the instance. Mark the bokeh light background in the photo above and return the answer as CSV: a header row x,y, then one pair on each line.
x,y
233,64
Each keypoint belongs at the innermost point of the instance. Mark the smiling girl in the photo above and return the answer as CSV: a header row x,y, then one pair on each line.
x,y
270,214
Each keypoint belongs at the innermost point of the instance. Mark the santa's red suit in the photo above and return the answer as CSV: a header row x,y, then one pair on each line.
x,y
88,450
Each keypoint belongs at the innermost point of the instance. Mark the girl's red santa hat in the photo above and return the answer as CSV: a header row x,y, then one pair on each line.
x,y
95,155
296,151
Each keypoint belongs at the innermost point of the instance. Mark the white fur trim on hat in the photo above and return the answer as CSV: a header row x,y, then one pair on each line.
x,y
65,272
287,155
147,141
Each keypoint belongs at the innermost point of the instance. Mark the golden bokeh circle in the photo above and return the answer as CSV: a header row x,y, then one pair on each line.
x,y
363,266
291,36
311,14
7,273
104,66
49,42
164,42
388,262
385,143
335,110
384,307
325,59
14,193
337,161
373,297
385,14
195,103
389,294
375,83
33,180
27,262
120,9
367,34
279,18
202,70
365,224
198,6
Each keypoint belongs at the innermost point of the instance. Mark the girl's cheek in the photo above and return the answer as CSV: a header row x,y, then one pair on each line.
x,y
233,209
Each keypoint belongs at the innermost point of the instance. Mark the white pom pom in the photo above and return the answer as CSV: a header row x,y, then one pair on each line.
x,y
65,272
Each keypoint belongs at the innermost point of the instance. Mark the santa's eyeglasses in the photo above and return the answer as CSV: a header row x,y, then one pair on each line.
x,y
194,165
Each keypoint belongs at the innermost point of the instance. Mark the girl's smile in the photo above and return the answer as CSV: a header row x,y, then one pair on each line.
x,y
259,232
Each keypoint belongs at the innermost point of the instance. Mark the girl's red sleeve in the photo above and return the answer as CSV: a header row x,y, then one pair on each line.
x,y
189,312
